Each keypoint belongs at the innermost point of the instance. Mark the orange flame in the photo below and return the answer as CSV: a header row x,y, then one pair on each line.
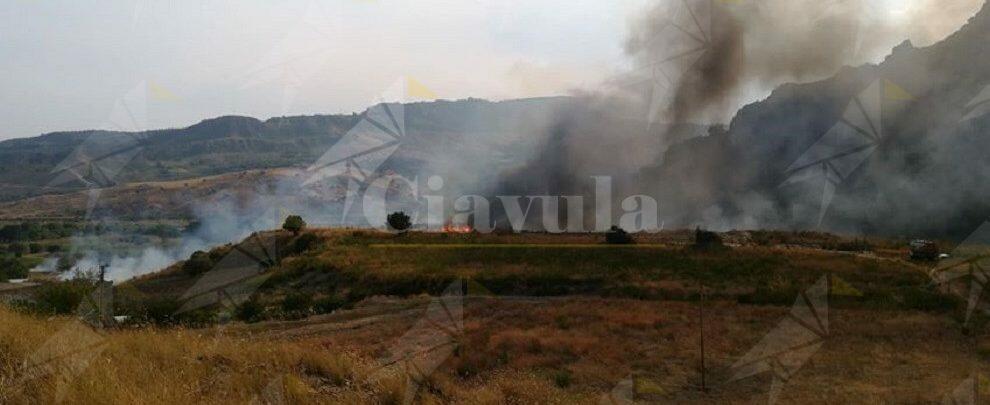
x,y
451,228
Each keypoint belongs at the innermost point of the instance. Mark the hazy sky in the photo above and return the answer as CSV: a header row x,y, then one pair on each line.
x,y
71,64
64,64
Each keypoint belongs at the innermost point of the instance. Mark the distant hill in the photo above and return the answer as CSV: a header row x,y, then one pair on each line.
x,y
29,166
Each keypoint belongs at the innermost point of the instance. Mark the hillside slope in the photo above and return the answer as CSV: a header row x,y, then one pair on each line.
x,y
899,144
30,166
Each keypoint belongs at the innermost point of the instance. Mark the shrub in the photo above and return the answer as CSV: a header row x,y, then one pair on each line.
x,y
399,221
294,224
707,241
157,310
618,236
61,298
770,295
35,247
562,378
297,302
18,249
53,248
336,368
927,299
328,304
855,245
12,268
303,243
65,263
250,311
199,262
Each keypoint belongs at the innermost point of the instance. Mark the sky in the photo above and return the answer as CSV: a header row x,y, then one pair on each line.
x,y
74,65
66,64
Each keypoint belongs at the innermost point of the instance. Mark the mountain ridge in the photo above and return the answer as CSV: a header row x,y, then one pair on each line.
x,y
234,143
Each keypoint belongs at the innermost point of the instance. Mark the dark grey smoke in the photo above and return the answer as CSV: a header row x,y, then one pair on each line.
x,y
698,66
751,47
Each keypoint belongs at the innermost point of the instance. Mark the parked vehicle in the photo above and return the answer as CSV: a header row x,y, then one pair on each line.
x,y
924,250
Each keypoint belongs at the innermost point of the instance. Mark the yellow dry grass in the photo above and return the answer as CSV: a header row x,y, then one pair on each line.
x,y
60,360
50,360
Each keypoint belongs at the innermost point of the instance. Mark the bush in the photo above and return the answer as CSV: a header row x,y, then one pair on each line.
x,y
303,243
12,268
328,304
65,263
707,241
35,247
927,299
18,249
618,236
61,298
250,311
399,221
294,224
159,310
770,295
855,245
562,378
53,248
199,262
297,302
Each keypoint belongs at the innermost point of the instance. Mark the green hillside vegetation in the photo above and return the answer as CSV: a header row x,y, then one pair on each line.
x,y
338,268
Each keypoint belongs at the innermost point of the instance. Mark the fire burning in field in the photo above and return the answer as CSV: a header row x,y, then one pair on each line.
x,y
451,228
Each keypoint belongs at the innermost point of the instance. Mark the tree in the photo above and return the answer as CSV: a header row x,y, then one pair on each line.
x,y
399,221
294,224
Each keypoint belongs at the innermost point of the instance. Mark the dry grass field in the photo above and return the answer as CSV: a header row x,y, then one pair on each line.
x,y
528,318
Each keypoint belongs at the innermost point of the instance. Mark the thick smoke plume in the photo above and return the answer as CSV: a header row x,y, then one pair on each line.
x,y
696,63
721,54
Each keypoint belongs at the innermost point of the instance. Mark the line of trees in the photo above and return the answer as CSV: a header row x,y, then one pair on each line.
x,y
31,231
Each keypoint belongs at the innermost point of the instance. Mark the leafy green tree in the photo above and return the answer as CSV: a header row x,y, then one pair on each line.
x,y
399,221
294,224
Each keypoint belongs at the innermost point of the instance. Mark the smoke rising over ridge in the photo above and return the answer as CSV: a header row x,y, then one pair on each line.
x,y
698,62
649,130
720,54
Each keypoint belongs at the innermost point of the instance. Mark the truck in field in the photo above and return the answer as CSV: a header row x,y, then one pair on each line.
x,y
922,249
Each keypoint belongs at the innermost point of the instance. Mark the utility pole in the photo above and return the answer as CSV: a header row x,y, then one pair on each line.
x,y
104,298
701,334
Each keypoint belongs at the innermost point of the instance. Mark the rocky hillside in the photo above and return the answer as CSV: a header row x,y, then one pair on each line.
x,y
895,148
34,166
